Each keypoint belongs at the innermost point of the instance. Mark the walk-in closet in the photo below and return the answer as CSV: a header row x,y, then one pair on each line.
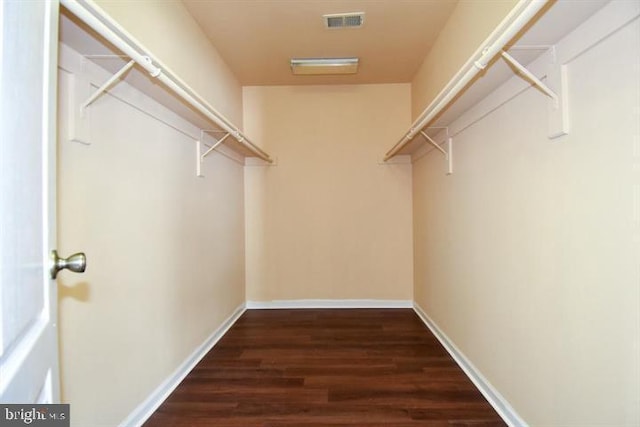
x,y
446,230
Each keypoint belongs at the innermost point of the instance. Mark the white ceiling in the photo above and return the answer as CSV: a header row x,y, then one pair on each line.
x,y
257,38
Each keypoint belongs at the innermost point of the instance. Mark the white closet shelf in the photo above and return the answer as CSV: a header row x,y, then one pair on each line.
x,y
182,99
512,24
537,25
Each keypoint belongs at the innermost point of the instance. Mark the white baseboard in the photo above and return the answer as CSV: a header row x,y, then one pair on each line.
x,y
329,303
155,399
499,403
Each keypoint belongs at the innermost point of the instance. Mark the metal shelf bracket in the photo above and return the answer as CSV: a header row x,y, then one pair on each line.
x,y
556,88
448,153
106,85
200,156
530,76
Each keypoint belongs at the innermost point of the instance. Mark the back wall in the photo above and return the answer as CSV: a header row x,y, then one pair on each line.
x,y
328,221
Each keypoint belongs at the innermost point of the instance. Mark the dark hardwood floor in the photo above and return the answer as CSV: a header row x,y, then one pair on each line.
x,y
313,368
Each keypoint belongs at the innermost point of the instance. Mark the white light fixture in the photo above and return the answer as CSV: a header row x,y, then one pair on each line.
x,y
323,66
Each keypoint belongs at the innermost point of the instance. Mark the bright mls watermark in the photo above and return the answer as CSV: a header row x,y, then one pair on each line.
x,y
48,415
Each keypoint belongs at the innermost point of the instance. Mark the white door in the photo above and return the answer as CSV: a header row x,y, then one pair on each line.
x,y
28,298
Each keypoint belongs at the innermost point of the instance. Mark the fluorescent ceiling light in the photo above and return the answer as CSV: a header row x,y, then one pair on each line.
x,y
319,66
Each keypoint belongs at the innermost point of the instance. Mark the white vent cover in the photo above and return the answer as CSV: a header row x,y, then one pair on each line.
x,y
344,20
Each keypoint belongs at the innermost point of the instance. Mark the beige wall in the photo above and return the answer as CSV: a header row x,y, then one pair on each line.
x,y
468,26
174,38
527,256
165,252
328,221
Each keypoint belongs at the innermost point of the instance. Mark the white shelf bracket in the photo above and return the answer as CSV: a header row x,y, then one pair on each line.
x,y
556,89
198,159
78,125
530,76
558,118
201,156
106,85
448,153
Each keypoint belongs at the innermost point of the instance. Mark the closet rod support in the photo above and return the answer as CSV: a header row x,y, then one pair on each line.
x,y
529,75
154,71
448,154
106,85
432,142
214,146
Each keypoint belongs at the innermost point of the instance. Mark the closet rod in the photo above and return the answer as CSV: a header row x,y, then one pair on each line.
x,y
511,25
98,20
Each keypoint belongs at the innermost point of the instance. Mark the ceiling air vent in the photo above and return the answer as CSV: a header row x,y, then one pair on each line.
x,y
344,20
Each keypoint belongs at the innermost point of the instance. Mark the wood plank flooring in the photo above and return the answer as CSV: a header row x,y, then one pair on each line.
x,y
313,368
